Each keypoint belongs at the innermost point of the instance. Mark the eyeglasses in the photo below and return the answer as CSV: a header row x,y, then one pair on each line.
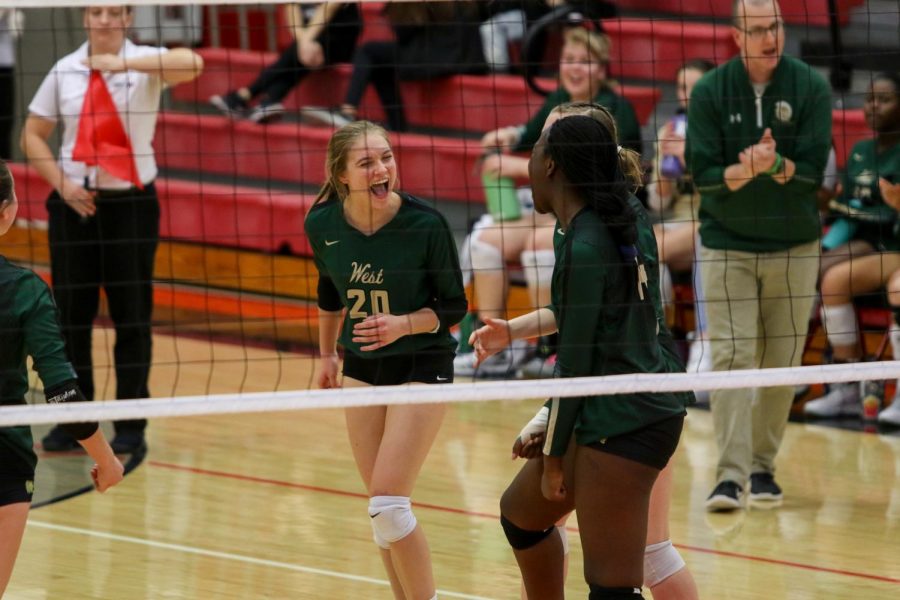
x,y
758,33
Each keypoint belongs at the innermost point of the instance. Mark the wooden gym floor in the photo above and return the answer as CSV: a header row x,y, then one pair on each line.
x,y
270,505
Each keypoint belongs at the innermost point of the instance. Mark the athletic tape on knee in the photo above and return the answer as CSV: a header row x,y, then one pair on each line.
x,y
538,268
522,539
563,537
661,561
392,518
840,324
484,256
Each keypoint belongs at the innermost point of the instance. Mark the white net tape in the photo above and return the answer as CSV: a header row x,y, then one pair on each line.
x,y
426,394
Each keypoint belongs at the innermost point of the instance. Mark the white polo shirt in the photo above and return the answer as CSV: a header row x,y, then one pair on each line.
x,y
135,94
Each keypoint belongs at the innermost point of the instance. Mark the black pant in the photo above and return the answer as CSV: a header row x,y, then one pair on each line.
x,y
337,39
376,62
115,249
7,110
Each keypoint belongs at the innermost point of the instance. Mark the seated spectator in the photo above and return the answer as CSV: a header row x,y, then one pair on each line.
x,y
674,201
864,243
433,39
528,238
324,34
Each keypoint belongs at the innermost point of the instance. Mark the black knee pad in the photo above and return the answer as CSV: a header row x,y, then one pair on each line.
x,y
613,593
522,539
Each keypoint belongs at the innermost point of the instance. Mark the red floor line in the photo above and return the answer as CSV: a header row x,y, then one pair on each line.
x,y
459,511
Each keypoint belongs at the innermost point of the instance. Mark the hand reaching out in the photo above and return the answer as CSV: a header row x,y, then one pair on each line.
x,y
490,339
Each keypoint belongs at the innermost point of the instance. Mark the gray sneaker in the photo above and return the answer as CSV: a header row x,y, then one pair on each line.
x,y
316,115
842,401
266,113
231,105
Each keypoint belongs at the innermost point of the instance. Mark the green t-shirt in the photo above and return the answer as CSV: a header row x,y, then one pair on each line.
x,y
29,326
626,122
408,264
609,322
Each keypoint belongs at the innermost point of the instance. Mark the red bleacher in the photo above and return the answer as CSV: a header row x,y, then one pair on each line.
x,y
432,167
465,102
848,127
655,50
796,12
212,214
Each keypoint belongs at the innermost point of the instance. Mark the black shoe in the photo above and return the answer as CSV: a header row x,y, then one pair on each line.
x,y
726,497
128,442
764,489
230,104
59,441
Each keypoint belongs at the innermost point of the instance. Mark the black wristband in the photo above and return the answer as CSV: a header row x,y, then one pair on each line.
x,y
66,392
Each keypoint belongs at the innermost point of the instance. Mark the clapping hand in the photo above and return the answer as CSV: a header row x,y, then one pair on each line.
x,y
761,156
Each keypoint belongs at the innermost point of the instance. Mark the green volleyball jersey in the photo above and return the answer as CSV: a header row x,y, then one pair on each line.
x,y
609,321
861,197
29,326
409,264
725,117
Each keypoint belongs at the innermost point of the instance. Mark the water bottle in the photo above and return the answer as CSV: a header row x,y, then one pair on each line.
x,y
670,167
871,393
502,198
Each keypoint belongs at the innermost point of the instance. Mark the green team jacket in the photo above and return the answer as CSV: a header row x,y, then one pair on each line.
x,y
626,121
29,325
609,324
724,118
408,264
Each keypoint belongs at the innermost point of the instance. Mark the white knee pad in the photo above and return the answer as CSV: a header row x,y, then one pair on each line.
x,y
538,268
661,561
484,256
840,324
392,518
563,537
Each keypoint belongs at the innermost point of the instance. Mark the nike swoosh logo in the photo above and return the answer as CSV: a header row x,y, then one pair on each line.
x,y
560,231
375,515
327,243
439,378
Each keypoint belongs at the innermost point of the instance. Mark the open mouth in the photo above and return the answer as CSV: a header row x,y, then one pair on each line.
x,y
380,189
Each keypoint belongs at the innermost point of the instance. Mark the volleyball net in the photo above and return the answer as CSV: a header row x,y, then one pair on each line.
x,y
241,154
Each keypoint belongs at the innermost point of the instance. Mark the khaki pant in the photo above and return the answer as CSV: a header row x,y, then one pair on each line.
x,y
758,308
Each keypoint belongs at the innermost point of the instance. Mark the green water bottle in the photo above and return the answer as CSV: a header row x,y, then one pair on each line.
x,y
502,199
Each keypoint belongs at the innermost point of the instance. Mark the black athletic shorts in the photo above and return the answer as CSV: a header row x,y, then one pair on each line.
x,y
652,445
13,491
432,365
